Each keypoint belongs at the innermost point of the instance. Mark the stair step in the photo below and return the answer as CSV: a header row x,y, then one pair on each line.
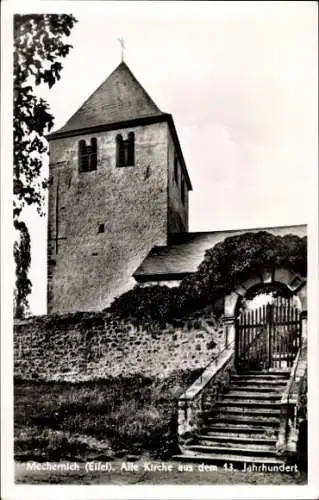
x,y
260,388
258,402
240,430
246,407
265,384
249,403
241,413
221,459
260,382
261,379
266,452
231,438
252,395
240,443
272,371
258,374
251,420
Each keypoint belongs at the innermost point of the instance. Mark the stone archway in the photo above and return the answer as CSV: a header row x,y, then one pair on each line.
x,y
281,276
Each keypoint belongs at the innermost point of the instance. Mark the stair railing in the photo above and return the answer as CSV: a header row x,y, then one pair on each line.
x,y
203,394
293,404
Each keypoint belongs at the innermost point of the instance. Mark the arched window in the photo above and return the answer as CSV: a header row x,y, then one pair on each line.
x,y
125,150
83,157
120,151
130,149
93,158
87,155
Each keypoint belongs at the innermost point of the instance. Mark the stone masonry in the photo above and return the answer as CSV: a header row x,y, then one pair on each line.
x,y
97,346
138,206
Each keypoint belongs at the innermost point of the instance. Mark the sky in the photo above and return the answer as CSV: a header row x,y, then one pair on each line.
x,y
239,78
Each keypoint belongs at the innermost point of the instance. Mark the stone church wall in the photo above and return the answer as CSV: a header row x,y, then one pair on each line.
x,y
92,267
96,346
177,209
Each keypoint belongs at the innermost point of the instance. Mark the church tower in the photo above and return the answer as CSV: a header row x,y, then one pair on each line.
x,y
119,186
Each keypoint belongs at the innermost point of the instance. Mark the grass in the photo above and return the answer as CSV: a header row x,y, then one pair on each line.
x,y
98,419
119,419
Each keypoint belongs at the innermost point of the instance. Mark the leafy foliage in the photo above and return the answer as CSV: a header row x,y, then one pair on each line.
x,y
226,265
39,46
244,256
22,257
153,302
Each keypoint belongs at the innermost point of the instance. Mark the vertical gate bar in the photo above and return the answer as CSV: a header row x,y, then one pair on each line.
x,y
240,336
264,334
274,346
237,336
248,348
297,329
250,334
271,334
253,328
247,339
243,339
300,328
260,357
283,333
257,341
288,334
278,335
298,336
255,324
291,330
279,346
294,333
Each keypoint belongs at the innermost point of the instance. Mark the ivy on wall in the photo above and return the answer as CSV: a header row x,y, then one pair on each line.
x,y
225,266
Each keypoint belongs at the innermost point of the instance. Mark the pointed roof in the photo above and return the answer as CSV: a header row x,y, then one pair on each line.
x,y
119,102
120,98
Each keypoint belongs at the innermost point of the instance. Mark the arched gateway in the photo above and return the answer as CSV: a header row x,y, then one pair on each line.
x,y
267,337
251,400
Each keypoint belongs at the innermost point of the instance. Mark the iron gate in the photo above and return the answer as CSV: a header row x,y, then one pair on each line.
x,y
268,337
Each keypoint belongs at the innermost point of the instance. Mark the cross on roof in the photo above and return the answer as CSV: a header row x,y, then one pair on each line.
x,y
121,40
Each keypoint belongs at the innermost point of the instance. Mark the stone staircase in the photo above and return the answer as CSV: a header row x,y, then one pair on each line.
x,y
243,424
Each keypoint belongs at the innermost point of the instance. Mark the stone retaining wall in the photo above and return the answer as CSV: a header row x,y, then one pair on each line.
x,y
95,345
